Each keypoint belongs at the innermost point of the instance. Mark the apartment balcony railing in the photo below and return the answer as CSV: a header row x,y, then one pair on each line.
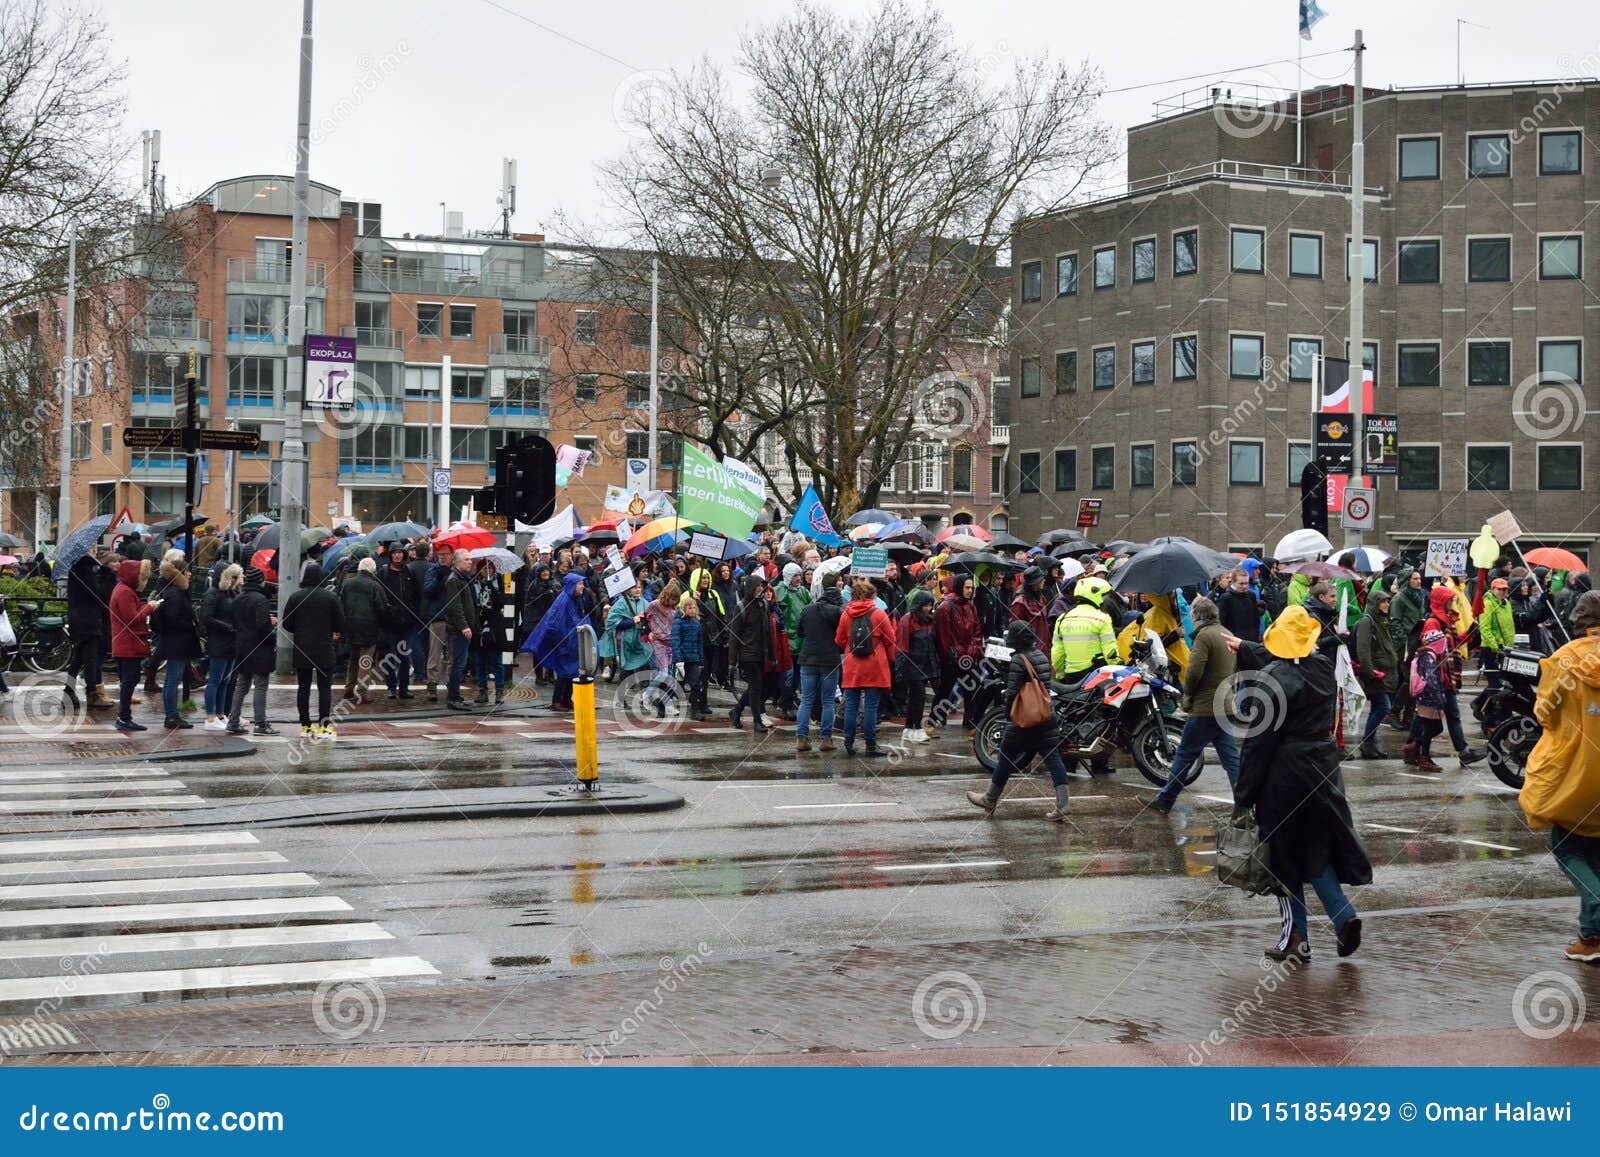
x,y
377,337
999,435
274,272
391,280
529,345
174,328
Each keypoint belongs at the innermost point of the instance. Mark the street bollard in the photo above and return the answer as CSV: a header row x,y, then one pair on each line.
x,y
583,709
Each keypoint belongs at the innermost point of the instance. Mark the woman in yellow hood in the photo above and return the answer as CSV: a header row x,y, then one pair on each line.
x,y
1161,619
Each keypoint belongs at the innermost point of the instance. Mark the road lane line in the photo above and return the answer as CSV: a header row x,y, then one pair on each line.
x,y
935,867
75,788
125,843
157,913
1049,798
1483,844
123,863
1207,852
1417,775
1387,828
98,803
786,807
1213,798
239,976
268,936
42,773
159,884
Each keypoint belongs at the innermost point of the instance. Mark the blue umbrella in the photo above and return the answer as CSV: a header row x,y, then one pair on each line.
x,y
397,532
81,541
331,555
862,517
900,527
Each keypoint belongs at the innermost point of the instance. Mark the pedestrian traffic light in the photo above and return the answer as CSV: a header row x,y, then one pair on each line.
x,y
1314,498
533,496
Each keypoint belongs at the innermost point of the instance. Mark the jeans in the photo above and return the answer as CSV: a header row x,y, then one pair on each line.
x,y
1452,720
694,681
1579,858
1013,760
127,683
1292,908
486,665
817,683
302,694
1377,711
419,654
397,665
460,652
172,686
1198,731
218,675
853,699
243,684
788,685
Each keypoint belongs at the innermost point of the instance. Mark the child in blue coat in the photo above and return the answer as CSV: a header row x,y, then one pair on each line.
x,y
689,651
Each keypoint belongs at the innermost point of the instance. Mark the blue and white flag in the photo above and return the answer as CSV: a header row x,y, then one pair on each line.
x,y
1310,14
811,520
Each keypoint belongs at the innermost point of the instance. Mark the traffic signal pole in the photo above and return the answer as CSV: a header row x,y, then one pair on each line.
x,y
1357,356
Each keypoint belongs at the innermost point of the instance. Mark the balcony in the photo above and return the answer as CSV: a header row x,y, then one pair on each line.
x,y
157,465
999,435
439,281
374,337
164,331
529,345
274,273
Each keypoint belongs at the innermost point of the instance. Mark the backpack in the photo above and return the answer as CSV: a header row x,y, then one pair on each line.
x,y
1419,683
861,640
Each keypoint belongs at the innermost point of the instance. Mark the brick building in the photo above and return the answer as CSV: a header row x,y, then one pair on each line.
x,y
1164,340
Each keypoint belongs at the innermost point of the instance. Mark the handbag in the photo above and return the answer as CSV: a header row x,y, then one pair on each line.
x,y
1243,857
1032,706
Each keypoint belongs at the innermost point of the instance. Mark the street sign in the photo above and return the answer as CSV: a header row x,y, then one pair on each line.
x,y
869,561
330,373
441,480
152,437
637,477
1380,446
1334,438
123,522
1360,508
1446,556
1088,512
245,441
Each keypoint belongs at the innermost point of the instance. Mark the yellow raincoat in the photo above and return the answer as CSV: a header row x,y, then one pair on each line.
x,y
1160,618
1562,784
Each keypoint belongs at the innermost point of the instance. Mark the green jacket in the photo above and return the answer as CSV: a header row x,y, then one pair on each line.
x,y
1347,596
1210,667
1376,650
1497,627
791,601
1409,609
1299,588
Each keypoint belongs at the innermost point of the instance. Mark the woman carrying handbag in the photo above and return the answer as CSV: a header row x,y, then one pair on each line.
x,y
1032,730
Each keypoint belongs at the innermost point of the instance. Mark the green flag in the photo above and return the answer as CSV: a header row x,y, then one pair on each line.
x,y
713,496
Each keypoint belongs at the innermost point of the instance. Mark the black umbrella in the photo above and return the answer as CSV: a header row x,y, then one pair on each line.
x,y
9,541
1003,541
1169,563
1074,549
862,517
1060,535
973,559
266,538
396,532
903,552
176,526
912,534
1119,546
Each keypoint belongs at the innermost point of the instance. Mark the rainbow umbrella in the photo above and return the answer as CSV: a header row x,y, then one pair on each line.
x,y
663,528
866,532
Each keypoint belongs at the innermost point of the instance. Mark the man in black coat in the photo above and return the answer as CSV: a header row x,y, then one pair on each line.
x,y
90,582
365,611
255,650
404,611
461,627
1238,611
750,645
315,619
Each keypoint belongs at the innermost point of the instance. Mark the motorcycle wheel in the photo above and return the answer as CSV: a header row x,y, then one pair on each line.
x,y
1155,761
986,740
1510,744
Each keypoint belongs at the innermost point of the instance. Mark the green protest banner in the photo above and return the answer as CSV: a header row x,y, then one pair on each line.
x,y
711,494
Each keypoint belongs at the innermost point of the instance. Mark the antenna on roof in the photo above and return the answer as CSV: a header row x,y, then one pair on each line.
x,y
151,183
508,194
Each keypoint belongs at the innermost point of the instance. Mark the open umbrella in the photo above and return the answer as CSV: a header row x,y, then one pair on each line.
x,y
9,560
1071,570
504,561
1004,541
661,542
866,532
312,535
1121,546
971,530
1306,543
973,561
899,528
658,528
835,565
262,561
1312,568
465,536
1362,559
903,553
331,556
1061,534
1169,563
81,541
1074,549
267,537
176,525
255,522
873,515
10,541
599,535
1555,558
397,532
957,543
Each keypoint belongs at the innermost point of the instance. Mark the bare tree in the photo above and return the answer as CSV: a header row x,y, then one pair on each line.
x,y
851,205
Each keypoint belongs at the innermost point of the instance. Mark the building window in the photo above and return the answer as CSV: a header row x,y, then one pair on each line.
x,y
1561,360
1105,267
430,319
638,446
81,440
371,316
1369,358
1142,463
1561,467
105,498
1066,371
1245,250
586,389
997,476
1144,260
463,321
1419,468
1066,470
1144,363
373,451
1419,262
639,331
418,444
1185,463
1489,259
1105,367
254,498
1560,258
637,391
1028,468
1419,158
1066,274
586,327
1185,357
254,317
1185,252
469,444
1244,356
105,439
1488,467
1299,459
524,391
1303,354
961,469
466,385
1560,152
1305,255
251,381
1032,280
1244,463
1488,363
1103,467
422,381
1369,260
1489,155
1417,363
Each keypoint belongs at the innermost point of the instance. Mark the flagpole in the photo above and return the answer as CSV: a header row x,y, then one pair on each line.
x,y
1299,104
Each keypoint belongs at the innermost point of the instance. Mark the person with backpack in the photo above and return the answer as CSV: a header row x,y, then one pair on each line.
x,y
1021,743
916,662
867,637
1427,681
820,657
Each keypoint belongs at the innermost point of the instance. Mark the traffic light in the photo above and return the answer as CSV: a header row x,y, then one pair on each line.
x,y
1314,498
534,496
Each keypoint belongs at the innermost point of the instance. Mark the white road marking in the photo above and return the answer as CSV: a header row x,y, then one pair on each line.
x,y
935,867
1434,778
160,913
1207,852
72,788
160,884
421,722
241,976
1387,828
1483,844
785,807
1048,798
42,773
947,755
1214,798
125,843
123,863
269,936
98,803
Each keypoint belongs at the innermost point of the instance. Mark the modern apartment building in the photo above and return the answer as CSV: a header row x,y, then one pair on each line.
x,y
1165,340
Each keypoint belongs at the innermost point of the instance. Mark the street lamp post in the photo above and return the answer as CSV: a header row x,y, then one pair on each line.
x,y
68,381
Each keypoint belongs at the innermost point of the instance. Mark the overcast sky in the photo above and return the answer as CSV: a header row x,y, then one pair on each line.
x,y
417,101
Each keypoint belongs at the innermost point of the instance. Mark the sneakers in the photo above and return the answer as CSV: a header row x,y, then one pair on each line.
x,y
458,705
174,723
220,723
802,745
1371,750
266,729
326,731
307,731
130,725
1586,949
1469,756
237,729
874,753
1153,801
913,735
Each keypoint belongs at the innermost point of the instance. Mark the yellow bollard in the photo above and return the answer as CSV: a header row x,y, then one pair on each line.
x,y
583,710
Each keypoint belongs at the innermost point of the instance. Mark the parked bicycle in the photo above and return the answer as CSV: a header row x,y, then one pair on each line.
x,y
42,645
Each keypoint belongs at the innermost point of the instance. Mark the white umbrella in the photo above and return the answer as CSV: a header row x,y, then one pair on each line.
x,y
1302,544
834,565
1071,569
504,560
1362,559
960,542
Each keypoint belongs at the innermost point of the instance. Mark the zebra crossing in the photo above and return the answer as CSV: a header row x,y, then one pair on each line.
x,y
103,915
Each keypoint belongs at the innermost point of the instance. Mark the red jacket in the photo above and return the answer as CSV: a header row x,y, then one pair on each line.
x,y
872,671
130,627
956,628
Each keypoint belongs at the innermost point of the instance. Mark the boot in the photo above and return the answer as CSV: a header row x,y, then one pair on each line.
x,y
99,699
1371,750
1058,814
1409,754
759,726
499,695
802,745
1469,756
1425,763
734,721
70,690
985,799
1298,949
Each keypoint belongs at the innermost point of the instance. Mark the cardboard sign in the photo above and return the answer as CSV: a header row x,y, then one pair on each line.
x,y
614,558
618,582
1446,557
1505,527
707,546
1088,512
869,561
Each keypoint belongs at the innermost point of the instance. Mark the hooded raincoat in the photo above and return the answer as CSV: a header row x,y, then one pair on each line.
x,y
553,642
